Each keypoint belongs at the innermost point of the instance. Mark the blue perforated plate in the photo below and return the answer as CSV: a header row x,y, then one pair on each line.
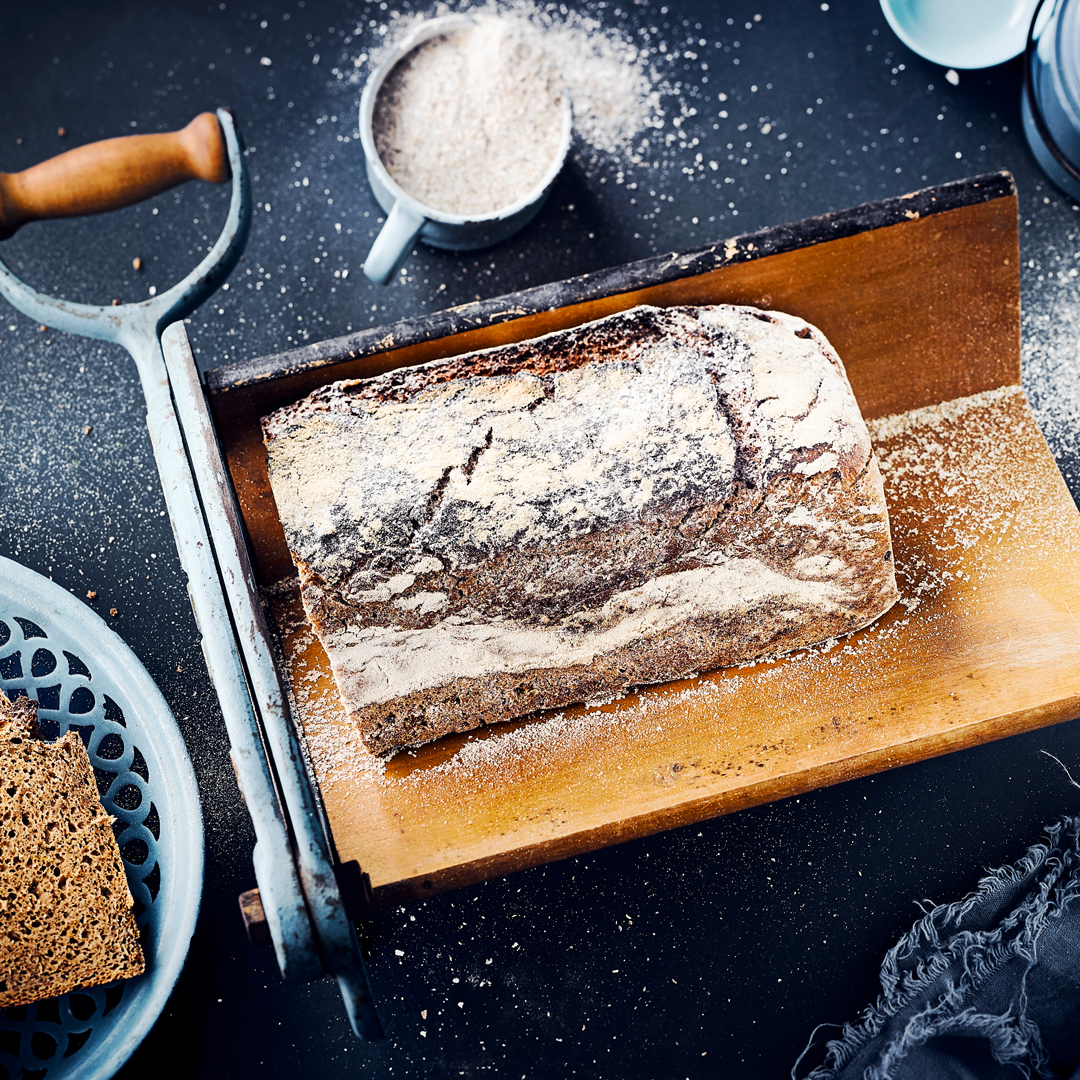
x,y
54,649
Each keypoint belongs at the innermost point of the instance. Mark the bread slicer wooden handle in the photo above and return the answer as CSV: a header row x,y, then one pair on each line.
x,y
114,173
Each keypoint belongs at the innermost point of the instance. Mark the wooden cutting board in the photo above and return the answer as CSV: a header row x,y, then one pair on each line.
x,y
920,296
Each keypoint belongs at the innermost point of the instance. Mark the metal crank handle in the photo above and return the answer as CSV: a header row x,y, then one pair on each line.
x,y
114,173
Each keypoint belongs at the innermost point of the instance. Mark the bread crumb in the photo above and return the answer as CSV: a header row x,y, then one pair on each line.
x,y
112,611
91,594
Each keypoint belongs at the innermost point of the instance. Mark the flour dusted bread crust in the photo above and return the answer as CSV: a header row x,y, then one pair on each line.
x,y
661,492
65,909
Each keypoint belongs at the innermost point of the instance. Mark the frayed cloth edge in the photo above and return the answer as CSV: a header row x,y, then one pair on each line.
x,y
1045,899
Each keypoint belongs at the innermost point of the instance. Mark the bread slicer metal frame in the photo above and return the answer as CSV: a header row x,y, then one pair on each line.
x,y
294,860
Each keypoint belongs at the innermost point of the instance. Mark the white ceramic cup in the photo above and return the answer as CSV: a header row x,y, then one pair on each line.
x,y
961,33
408,218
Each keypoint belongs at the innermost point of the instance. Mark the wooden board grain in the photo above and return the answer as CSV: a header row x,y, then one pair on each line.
x,y
923,311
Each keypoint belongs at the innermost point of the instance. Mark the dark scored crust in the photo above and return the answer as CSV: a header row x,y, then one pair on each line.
x,y
441,610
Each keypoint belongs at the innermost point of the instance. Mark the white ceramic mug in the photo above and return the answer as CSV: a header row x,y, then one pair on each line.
x,y
408,218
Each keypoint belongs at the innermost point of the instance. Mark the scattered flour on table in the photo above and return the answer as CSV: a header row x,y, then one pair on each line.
x,y
471,121
954,491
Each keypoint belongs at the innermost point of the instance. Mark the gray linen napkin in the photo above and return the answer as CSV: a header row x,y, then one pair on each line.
x,y
984,989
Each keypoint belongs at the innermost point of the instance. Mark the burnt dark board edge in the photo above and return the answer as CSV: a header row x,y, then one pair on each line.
x,y
618,279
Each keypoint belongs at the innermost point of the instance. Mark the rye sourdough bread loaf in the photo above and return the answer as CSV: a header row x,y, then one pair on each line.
x,y
661,492
65,909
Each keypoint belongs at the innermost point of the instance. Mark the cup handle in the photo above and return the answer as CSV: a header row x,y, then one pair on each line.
x,y
392,244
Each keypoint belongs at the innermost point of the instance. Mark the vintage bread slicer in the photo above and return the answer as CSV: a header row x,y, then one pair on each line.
x,y
299,898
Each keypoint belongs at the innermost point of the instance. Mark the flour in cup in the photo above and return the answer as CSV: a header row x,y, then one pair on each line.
x,y
470,121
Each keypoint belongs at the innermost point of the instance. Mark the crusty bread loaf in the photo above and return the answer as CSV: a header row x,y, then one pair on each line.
x,y
65,908
661,492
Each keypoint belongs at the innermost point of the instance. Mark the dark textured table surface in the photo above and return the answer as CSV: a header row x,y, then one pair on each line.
x,y
713,950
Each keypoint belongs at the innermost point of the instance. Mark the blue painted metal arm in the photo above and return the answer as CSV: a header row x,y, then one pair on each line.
x,y
333,928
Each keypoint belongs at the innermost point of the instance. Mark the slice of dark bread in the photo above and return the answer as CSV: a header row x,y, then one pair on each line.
x,y
661,492
65,908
